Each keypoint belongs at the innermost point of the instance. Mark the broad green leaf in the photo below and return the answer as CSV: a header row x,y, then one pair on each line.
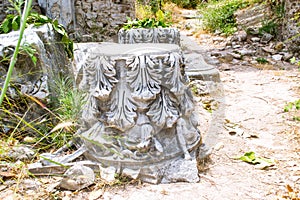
x,y
261,162
248,157
5,26
15,24
160,16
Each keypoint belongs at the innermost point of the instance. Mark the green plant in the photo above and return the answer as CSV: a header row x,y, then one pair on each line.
x,y
187,3
219,15
262,60
69,100
26,11
63,115
293,61
143,11
13,22
268,26
160,21
292,105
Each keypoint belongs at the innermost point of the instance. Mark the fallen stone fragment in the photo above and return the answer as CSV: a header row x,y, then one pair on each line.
x,y
182,170
131,173
19,153
108,173
77,178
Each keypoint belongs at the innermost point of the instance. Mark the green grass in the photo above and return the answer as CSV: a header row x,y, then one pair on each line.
x,y
219,15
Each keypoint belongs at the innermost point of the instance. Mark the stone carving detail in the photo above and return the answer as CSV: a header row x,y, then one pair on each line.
x,y
139,109
143,78
151,35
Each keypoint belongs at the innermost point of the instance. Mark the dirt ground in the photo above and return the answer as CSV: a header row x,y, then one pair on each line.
x,y
247,115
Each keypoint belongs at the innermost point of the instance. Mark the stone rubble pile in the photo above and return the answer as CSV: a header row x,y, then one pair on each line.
x,y
249,49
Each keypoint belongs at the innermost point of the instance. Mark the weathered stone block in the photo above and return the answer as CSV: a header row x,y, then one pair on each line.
x,y
52,60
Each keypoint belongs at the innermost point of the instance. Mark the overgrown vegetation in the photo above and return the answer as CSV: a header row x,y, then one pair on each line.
x,y
13,22
219,15
53,123
160,19
49,124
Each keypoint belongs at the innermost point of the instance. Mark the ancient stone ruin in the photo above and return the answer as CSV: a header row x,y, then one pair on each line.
x,y
140,119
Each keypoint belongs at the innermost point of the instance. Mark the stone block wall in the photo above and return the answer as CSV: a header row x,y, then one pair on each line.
x,y
90,20
290,28
85,20
101,19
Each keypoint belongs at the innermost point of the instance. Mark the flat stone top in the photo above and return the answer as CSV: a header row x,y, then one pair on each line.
x,y
114,49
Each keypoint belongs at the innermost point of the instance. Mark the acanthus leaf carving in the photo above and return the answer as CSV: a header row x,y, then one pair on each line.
x,y
187,103
163,111
173,73
122,112
144,78
101,76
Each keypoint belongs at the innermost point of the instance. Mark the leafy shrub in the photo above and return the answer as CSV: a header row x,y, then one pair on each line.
x,y
219,15
186,3
143,11
12,23
159,21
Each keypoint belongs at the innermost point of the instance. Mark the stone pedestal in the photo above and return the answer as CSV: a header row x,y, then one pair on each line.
x,y
151,35
140,118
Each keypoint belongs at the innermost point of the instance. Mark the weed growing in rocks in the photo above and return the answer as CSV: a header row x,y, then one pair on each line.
x,y
219,15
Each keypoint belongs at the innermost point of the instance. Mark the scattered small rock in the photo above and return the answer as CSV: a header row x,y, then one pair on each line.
x,y
287,56
279,46
246,52
219,146
266,38
236,55
255,39
218,39
268,50
77,177
227,57
240,36
236,46
277,57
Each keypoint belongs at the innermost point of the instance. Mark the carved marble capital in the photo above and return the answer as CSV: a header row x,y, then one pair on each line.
x,y
140,110
151,35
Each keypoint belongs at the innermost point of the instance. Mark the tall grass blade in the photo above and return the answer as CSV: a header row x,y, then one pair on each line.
x,y
27,8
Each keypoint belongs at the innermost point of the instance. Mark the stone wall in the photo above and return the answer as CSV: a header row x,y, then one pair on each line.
x,y
85,20
90,20
290,28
